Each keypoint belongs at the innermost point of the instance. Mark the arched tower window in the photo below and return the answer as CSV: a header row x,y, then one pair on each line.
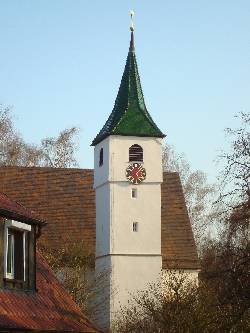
x,y
135,153
101,157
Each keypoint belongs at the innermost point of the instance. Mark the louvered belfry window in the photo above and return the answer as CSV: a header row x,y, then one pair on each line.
x,y
136,153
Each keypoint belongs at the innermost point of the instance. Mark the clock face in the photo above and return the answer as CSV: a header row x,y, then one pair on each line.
x,y
135,173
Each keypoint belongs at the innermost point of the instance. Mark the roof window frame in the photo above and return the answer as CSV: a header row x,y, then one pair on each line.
x,y
12,225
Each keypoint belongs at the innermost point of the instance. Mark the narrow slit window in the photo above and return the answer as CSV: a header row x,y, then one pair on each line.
x,y
101,157
134,193
135,226
135,153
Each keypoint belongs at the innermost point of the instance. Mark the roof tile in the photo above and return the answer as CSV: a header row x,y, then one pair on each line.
x,y
70,209
52,307
13,209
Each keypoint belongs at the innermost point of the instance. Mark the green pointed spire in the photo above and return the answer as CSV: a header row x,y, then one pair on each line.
x,y
129,116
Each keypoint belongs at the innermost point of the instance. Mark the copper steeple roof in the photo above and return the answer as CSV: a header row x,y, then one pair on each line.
x,y
130,116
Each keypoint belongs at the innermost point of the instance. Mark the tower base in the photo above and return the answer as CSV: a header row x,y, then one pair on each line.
x,y
125,276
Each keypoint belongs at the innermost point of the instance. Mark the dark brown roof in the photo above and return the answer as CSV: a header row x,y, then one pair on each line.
x,y
66,199
49,309
14,210
177,241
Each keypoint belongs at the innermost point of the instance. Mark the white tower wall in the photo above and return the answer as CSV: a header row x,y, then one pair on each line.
x,y
132,259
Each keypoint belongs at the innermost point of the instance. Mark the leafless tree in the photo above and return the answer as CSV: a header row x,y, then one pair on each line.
x,y
221,302
74,266
13,149
60,152
226,261
56,152
177,305
199,194
236,173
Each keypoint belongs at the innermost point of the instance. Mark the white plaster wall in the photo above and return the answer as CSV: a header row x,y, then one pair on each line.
x,y
116,158
103,272
131,274
128,275
119,154
116,210
145,210
101,173
190,275
103,220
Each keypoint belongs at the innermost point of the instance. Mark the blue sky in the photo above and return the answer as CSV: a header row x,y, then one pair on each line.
x,y
61,63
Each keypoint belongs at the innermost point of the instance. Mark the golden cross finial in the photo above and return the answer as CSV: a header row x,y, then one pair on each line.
x,y
132,14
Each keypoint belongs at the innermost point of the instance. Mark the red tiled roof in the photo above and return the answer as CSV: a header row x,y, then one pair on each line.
x,y
13,209
66,198
177,241
50,308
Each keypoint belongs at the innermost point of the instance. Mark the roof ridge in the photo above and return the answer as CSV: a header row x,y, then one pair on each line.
x,y
14,167
13,208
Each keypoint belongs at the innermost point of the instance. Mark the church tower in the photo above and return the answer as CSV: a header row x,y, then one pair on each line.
x,y
127,182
